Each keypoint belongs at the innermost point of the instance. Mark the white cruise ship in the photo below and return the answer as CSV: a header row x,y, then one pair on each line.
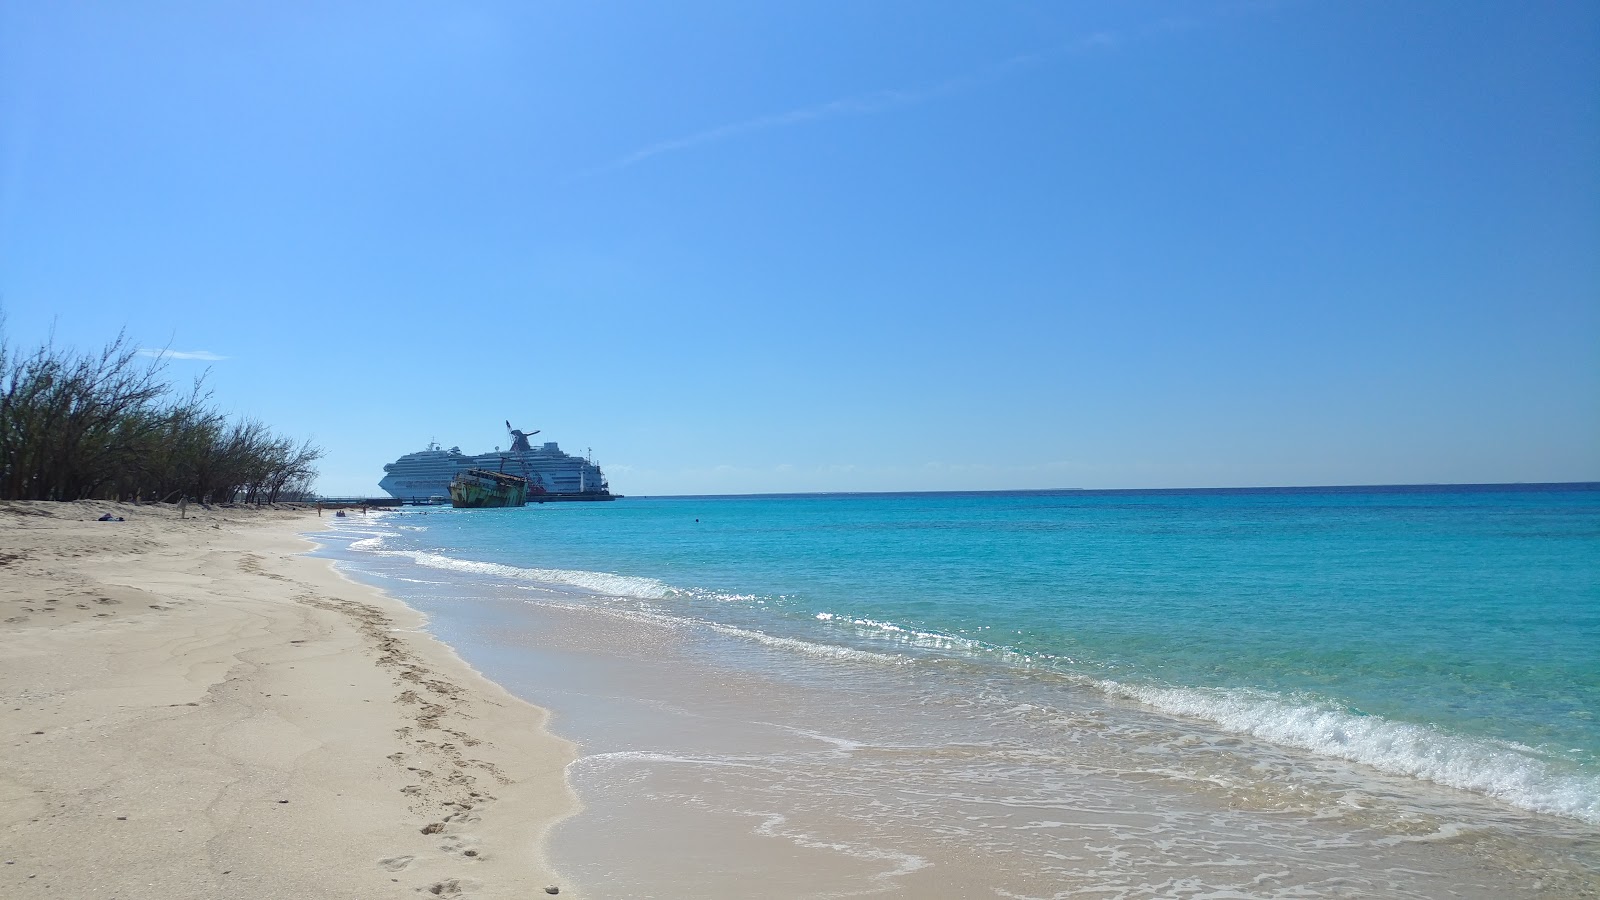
x,y
424,475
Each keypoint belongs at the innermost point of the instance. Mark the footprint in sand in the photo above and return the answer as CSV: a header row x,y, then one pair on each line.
x,y
395,863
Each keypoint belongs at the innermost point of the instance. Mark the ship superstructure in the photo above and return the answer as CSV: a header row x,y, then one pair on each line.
x,y
425,474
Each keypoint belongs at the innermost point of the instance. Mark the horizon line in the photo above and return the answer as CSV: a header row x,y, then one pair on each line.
x,y
1416,487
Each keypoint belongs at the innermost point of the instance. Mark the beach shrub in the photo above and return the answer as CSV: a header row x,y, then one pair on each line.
x,y
107,425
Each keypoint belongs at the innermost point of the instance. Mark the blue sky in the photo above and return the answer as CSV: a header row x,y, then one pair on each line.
x,y
741,247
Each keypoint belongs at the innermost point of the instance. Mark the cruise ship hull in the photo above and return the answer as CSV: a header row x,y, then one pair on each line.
x,y
426,475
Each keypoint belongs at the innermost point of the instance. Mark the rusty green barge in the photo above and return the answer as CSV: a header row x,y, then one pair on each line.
x,y
483,489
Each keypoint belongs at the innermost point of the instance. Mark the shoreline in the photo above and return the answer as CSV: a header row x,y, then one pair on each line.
x,y
200,707
724,756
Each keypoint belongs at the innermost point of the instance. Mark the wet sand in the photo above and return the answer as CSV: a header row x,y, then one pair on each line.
x,y
193,708
719,771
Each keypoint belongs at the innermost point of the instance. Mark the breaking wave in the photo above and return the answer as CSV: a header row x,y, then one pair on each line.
x,y
597,582
1506,771
1510,772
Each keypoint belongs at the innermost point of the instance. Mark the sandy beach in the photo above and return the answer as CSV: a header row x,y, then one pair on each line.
x,y
192,708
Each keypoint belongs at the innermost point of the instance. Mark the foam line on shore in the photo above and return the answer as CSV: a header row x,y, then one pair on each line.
x,y
1512,773
808,648
596,582
1506,771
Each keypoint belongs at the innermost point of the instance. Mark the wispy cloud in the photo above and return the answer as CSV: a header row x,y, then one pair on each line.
x,y
206,355
859,104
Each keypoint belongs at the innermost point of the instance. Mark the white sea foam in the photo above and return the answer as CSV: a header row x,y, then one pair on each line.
x,y
597,582
841,746
609,584
636,757
793,645
901,635
775,825
363,529
1506,771
809,648
930,640
1501,769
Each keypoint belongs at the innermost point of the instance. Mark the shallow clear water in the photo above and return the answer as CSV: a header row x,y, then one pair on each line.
x,y
981,645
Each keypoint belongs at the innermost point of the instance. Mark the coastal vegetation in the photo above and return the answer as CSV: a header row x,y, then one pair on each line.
x,y
108,425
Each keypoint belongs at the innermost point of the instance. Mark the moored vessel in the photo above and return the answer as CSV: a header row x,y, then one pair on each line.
x,y
483,489
552,474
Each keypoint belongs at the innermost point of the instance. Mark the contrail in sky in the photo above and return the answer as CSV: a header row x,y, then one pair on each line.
x,y
858,105
861,104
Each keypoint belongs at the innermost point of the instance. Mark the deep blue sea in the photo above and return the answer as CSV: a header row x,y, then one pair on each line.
x,y
1445,634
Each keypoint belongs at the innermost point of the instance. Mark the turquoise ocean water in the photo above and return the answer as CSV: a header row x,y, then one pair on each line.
x,y
1450,635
